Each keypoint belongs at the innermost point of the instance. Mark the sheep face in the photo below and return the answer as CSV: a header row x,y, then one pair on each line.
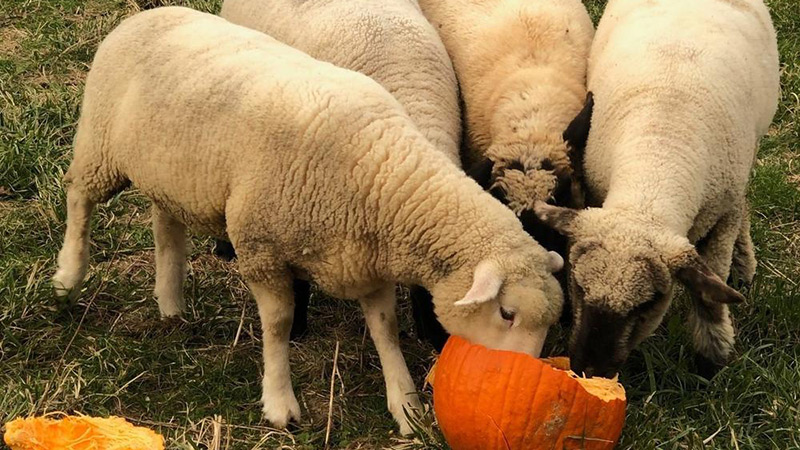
x,y
530,172
503,308
539,168
519,185
620,292
621,281
529,158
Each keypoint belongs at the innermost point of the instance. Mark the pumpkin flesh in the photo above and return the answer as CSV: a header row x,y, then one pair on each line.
x,y
79,433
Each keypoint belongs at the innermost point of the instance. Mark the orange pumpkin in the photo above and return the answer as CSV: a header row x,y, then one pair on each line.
x,y
79,433
491,399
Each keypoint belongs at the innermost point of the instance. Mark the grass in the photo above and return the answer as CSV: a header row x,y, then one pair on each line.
x,y
109,353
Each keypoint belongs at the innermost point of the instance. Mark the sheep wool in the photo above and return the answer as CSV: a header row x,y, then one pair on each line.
x,y
683,90
313,171
521,67
390,41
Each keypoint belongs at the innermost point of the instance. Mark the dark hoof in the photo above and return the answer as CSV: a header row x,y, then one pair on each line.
x,y
705,367
224,250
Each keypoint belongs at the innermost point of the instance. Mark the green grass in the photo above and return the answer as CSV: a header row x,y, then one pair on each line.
x,y
109,353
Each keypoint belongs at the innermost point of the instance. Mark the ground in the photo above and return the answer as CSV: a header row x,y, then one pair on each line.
x,y
197,382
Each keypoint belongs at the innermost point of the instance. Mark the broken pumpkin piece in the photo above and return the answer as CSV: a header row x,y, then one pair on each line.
x,y
79,433
493,399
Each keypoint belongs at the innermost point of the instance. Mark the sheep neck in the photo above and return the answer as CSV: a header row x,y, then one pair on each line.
x,y
657,179
433,219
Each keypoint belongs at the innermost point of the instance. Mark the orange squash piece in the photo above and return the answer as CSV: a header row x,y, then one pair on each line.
x,y
491,400
79,433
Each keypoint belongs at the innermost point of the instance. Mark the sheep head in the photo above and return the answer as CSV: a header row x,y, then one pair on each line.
x,y
540,167
506,304
623,270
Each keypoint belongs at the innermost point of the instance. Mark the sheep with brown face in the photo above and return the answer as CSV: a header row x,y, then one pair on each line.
x,y
678,114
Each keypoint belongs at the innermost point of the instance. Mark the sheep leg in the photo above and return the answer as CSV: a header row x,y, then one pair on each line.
x,y
302,291
302,295
73,259
276,308
709,322
379,311
744,265
170,239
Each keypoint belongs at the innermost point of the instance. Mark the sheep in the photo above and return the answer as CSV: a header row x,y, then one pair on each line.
x,y
683,91
313,171
521,68
391,42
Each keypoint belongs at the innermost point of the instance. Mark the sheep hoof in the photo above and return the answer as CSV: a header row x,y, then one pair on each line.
x,y
403,412
402,418
66,292
280,409
405,428
171,312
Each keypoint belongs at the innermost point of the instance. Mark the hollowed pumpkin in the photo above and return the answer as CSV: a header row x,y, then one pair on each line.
x,y
79,433
491,399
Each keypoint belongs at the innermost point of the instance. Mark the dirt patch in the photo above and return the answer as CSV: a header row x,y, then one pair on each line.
x,y
10,40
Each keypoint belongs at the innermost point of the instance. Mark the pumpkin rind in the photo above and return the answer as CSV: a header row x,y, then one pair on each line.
x,y
490,399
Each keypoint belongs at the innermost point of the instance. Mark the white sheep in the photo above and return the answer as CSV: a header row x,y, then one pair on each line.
x,y
683,91
313,171
390,41
521,67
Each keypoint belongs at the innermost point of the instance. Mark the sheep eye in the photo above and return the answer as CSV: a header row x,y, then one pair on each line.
x,y
507,314
515,165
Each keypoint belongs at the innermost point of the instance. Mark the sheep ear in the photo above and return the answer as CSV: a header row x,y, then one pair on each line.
x,y
575,136
704,283
577,131
486,284
560,219
554,262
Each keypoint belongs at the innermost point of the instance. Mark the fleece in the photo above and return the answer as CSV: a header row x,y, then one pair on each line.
x,y
313,171
683,90
521,67
388,40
